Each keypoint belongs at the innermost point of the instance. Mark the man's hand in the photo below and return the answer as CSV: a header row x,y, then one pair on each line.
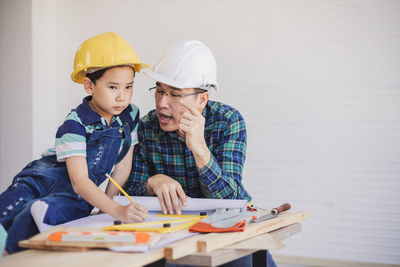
x,y
168,191
133,212
192,126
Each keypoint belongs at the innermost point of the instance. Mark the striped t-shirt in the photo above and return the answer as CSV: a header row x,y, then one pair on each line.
x,y
72,135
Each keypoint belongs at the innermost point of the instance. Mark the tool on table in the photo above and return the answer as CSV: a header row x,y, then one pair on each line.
x,y
233,220
109,237
274,212
162,227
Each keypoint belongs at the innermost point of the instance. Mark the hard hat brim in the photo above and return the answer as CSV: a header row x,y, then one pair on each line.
x,y
78,75
159,78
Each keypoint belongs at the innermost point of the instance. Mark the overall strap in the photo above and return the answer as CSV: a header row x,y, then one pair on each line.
x,y
127,142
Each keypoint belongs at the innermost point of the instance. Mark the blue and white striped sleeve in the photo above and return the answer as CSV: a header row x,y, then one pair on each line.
x,y
134,124
70,138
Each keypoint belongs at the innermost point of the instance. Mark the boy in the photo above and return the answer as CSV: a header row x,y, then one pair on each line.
x,y
96,138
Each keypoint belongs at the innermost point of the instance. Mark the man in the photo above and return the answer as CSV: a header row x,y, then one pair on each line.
x,y
188,145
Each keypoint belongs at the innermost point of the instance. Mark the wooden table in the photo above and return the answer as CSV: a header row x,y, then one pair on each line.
x,y
203,250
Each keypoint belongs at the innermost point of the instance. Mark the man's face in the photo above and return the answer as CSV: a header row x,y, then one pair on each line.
x,y
168,105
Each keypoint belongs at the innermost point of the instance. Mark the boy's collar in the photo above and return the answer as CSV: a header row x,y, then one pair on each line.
x,y
86,114
89,117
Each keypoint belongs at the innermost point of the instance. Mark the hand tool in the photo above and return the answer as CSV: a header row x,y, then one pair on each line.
x,y
233,220
274,212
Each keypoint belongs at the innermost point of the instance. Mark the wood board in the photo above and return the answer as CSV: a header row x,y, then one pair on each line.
x,y
41,241
209,242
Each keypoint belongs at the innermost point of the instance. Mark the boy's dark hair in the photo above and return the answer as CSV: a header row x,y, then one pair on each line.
x,y
94,76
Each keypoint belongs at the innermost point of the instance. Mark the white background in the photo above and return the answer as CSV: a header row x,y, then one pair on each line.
x,y
318,83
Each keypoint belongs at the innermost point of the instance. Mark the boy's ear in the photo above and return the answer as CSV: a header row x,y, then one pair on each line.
x,y
88,85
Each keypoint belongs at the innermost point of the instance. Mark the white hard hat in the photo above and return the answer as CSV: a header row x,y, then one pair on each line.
x,y
187,64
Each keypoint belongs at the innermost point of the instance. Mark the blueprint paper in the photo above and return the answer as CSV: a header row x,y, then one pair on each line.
x,y
193,204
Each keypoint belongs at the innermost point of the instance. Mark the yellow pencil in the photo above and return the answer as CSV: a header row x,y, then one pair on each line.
x,y
120,188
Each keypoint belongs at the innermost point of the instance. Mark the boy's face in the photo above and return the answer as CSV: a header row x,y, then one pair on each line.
x,y
112,92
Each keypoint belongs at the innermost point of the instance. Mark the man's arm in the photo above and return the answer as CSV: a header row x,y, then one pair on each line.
x,y
164,187
221,169
221,177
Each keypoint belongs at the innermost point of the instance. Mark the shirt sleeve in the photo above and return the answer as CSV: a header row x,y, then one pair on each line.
x,y
70,138
136,184
134,114
221,177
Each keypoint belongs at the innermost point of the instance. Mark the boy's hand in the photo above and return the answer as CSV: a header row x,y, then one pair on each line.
x,y
133,212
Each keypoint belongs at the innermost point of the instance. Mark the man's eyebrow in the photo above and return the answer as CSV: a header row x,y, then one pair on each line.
x,y
171,87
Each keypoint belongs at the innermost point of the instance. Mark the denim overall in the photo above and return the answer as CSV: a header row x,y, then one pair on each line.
x,y
47,180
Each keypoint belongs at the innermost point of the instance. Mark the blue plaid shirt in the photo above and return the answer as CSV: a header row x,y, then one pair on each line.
x,y
160,152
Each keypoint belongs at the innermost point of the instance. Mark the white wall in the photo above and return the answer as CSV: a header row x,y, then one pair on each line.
x,y
44,75
318,83
15,88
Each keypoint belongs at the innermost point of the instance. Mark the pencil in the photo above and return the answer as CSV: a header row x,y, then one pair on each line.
x,y
120,188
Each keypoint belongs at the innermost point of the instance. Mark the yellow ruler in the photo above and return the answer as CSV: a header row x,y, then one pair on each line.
x,y
182,215
161,227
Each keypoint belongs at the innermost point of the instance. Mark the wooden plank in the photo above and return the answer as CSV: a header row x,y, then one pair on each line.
x,y
40,258
181,249
224,255
219,240
41,241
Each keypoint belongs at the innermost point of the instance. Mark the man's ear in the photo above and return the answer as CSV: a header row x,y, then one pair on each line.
x,y
203,100
88,85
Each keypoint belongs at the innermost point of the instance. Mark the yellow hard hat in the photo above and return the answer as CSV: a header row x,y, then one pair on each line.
x,y
103,51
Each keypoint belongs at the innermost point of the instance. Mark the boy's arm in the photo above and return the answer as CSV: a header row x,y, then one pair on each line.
x,y
120,173
83,186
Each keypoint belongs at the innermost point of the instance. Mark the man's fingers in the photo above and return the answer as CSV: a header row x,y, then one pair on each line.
x,y
167,201
181,195
189,108
185,121
162,203
189,116
183,127
175,203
